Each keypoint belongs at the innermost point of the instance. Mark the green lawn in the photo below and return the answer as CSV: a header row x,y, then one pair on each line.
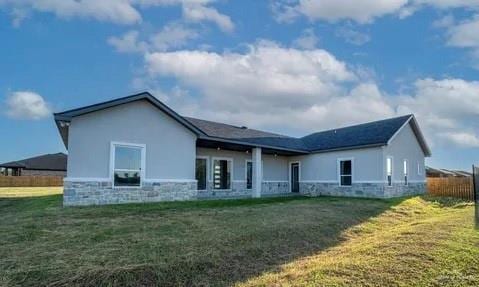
x,y
418,241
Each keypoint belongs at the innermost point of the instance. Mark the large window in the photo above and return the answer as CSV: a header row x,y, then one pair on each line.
x,y
127,165
405,170
201,172
389,170
222,173
346,172
249,174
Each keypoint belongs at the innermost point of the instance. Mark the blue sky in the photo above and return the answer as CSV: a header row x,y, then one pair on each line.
x,y
287,66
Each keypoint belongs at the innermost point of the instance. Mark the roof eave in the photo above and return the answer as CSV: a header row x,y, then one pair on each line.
x,y
348,148
252,144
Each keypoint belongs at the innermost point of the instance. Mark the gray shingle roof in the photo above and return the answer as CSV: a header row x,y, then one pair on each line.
x,y
56,161
368,134
243,134
364,135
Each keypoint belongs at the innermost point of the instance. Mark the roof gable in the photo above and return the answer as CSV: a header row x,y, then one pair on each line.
x,y
62,119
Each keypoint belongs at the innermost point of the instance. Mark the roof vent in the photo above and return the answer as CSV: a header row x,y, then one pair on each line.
x,y
243,127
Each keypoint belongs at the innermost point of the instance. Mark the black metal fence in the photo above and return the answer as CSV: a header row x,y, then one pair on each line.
x,y
475,183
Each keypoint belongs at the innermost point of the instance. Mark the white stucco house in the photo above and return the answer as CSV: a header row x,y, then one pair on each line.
x,y
136,149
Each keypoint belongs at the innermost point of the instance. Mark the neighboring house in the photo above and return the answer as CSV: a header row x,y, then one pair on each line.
x,y
136,149
44,165
441,172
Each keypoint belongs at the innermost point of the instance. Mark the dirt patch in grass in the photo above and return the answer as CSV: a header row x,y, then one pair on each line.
x,y
288,241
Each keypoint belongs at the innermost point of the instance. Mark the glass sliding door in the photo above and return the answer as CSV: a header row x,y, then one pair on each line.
x,y
201,172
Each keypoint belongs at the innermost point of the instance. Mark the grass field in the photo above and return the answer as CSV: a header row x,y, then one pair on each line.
x,y
420,241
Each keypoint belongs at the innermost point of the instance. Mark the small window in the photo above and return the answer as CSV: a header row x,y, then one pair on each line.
x,y
221,174
419,169
389,170
127,165
201,173
346,172
249,174
405,169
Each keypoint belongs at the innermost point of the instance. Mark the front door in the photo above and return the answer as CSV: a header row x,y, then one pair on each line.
x,y
295,177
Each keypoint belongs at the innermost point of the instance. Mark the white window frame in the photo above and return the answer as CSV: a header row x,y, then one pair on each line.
x,y
419,168
392,170
230,159
207,170
113,146
405,164
339,160
246,174
290,175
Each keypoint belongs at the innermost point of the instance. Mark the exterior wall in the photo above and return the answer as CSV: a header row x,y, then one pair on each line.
x,y
169,156
170,147
323,167
406,146
101,192
319,172
33,172
275,174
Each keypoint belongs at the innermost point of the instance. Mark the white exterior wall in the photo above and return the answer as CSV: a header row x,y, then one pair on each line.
x,y
405,146
323,167
170,147
274,168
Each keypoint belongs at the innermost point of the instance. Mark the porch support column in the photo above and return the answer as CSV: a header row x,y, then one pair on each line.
x,y
257,172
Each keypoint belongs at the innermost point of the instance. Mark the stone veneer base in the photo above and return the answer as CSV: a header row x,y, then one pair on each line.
x,y
100,193
367,190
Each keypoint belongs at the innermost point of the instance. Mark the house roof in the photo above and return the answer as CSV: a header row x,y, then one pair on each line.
x,y
430,171
247,135
371,134
56,161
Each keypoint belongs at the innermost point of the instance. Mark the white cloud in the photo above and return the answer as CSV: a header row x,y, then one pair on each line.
x,y
197,13
334,10
465,34
307,40
173,35
352,36
462,139
26,105
128,43
363,12
116,11
299,91
447,109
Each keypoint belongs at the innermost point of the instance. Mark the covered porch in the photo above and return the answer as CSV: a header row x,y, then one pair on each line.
x,y
226,169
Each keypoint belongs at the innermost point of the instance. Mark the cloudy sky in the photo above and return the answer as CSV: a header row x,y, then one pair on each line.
x,y
289,66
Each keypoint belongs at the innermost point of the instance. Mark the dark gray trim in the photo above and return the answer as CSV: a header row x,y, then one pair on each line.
x,y
253,145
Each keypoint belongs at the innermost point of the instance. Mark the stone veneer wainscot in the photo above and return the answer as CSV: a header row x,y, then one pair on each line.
x,y
369,190
82,193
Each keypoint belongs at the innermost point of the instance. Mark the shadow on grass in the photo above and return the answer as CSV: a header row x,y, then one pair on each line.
x,y
198,243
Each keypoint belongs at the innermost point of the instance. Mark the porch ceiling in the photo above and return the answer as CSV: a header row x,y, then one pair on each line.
x,y
235,146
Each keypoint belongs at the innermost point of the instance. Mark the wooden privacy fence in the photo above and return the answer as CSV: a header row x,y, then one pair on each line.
x,y
30,181
460,187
